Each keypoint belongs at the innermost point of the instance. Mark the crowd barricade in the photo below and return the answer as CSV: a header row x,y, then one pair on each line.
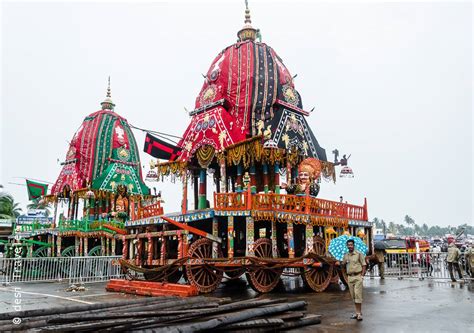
x,y
68,269
423,265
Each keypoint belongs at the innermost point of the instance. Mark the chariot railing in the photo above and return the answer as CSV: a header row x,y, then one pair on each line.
x,y
300,204
68,269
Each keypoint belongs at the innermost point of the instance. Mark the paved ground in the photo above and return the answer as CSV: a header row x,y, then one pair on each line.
x,y
389,305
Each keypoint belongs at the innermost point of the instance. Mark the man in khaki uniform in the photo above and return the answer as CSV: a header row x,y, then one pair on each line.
x,y
380,255
453,260
469,256
355,265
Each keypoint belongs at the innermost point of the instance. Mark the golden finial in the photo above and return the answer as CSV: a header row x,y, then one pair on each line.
x,y
247,32
107,104
108,89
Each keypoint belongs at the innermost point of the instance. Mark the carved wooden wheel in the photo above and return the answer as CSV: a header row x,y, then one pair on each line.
x,y
318,278
319,246
204,277
263,278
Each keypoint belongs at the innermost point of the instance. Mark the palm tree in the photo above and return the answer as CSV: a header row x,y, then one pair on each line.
x,y
409,220
40,205
9,209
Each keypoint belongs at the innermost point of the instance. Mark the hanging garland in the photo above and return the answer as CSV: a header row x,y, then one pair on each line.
x,y
328,172
205,155
175,168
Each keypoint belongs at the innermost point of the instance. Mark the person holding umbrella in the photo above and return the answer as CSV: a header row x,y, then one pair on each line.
x,y
355,265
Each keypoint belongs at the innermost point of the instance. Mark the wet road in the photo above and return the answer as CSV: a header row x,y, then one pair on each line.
x,y
389,305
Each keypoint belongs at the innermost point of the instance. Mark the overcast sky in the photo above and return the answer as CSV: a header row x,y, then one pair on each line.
x,y
391,83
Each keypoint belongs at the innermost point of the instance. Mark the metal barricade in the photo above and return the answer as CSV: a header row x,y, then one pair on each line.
x,y
423,265
48,269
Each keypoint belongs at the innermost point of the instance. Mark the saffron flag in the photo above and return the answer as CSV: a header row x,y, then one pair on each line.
x,y
35,189
160,149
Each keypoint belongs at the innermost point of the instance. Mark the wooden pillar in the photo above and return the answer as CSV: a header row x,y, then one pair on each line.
x,y
86,247
214,233
202,189
114,241
265,178
76,246
124,248
163,250
230,237
253,179
49,250
150,250
184,203
274,239
291,241
138,257
223,180
58,246
102,246
239,180
196,191
277,177
250,236
107,246
309,238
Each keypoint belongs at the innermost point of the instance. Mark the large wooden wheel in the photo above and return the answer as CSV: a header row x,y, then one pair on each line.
x,y
319,246
319,278
204,277
264,279
41,252
95,251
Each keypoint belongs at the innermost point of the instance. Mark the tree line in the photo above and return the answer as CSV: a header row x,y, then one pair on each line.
x,y
411,228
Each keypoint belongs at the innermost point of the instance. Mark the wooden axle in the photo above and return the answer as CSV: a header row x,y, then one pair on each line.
x,y
193,230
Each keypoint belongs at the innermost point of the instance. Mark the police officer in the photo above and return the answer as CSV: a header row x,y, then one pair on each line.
x,y
355,267
453,260
469,256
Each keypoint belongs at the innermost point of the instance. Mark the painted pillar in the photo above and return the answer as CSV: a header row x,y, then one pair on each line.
x,y
132,210
184,202
240,172
215,232
49,250
107,246
277,177
138,257
250,236
291,240
309,238
163,250
223,182
196,189
202,189
230,236
86,246
102,246
150,249
265,178
124,248
253,179
288,173
76,246
58,246
274,239
114,241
